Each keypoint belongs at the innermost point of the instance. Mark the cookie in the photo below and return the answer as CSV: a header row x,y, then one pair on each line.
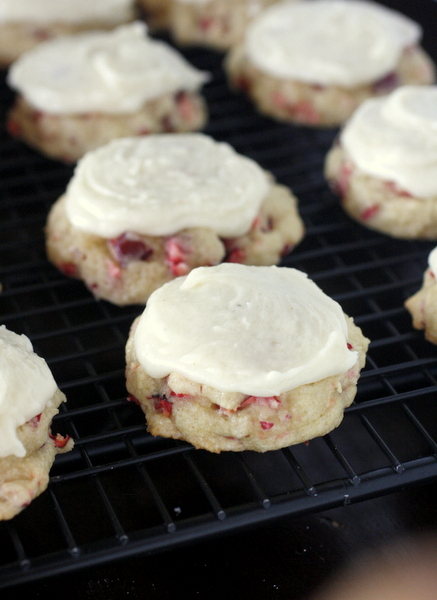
x,y
140,211
237,357
26,23
217,24
75,93
383,165
29,399
313,63
423,304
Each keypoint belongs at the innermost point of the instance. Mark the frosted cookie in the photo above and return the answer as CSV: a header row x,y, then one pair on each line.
x,y
384,164
423,304
313,63
75,93
217,24
237,357
29,399
141,211
26,23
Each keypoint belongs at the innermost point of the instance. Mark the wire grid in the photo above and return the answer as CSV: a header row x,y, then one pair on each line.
x,y
122,492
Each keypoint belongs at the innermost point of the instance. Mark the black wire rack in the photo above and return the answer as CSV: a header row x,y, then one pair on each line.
x,y
121,492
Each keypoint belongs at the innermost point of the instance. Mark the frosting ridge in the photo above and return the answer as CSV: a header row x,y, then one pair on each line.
x,y
162,183
111,72
330,42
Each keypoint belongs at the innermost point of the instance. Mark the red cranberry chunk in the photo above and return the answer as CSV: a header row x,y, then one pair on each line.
x,y
59,440
129,246
163,406
387,83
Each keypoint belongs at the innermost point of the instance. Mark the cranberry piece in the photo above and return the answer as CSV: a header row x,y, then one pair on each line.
x,y
167,124
266,425
41,34
205,23
163,406
34,421
185,106
393,187
177,252
127,247
386,84
175,395
37,115
59,440
235,255
69,269
242,83
13,128
134,399
370,212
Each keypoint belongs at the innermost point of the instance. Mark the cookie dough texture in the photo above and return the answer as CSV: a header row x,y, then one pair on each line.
x,y
25,23
68,137
276,230
178,407
422,305
280,83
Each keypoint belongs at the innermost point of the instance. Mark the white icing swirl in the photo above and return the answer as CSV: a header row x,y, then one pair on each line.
x,y
26,388
66,11
255,330
159,184
330,42
395,138
111,72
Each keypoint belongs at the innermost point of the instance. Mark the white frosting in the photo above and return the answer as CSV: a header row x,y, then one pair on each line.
x,y
329,42
395,138
26,388
159,184
66,11
112,72
432,260
256,330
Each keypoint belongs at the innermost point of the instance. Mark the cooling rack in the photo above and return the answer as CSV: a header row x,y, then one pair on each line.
x,y
121,492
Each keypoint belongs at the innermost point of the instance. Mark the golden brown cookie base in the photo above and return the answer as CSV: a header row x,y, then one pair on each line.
x,y
178,408
68,137
378,204
217,24
90,258
318,105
